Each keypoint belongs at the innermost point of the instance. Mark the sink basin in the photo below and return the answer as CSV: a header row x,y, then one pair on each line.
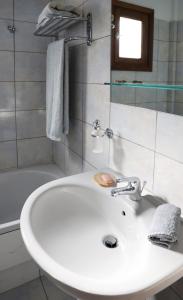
x,y
95,246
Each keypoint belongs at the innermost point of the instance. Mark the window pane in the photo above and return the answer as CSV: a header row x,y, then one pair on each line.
x,y
130,38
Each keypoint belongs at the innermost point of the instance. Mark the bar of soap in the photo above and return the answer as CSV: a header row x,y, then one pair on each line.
x,y
105,179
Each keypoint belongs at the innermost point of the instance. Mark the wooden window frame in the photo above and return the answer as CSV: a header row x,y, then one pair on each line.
x,y
146,15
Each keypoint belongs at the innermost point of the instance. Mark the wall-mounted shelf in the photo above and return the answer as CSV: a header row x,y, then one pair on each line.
x,y
56,23
169,87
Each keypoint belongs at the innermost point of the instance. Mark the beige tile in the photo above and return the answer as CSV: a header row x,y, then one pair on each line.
x,y
135,124
169,141
132,160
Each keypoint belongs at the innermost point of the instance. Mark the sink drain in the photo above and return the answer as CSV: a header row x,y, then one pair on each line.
x,y
110,241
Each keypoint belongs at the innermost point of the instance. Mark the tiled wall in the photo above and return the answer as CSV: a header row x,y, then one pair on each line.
x,y
90,99
147,144
22,87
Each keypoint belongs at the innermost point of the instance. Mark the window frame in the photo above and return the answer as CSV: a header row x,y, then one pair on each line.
x,y
136,12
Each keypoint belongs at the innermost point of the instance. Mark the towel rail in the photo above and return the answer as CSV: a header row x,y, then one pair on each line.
x,y
56,23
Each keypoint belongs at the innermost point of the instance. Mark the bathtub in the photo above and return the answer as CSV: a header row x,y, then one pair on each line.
x,y
16,266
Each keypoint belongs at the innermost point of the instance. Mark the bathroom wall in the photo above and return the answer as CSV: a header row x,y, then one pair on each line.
x,y
22,87
147,143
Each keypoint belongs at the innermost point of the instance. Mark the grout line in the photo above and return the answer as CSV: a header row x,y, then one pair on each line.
x,y
176,293
155,145
15,87
42,285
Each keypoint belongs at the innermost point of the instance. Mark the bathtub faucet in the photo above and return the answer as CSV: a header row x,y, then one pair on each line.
x,y
130,186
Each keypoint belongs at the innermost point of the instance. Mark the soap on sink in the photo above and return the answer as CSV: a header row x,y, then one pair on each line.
x,y
105,179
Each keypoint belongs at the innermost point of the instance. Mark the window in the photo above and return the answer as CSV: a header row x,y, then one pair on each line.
x,y
132,37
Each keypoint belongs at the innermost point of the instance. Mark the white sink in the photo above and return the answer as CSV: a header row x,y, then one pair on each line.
x,y
64,223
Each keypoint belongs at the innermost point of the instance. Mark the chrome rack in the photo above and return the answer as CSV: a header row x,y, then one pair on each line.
x,y
57,23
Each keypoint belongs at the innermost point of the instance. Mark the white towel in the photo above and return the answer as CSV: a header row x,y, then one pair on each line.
x,y
165,224
57,90
54,7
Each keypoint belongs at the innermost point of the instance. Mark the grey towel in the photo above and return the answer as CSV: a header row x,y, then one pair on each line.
x,y
164,228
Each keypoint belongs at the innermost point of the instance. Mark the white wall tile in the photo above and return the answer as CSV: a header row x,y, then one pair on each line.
x,y
25,40
169,139
97,61
101,15
6,37
168,180
87,167
74,140
6,9
73,163
96,100
30,95
31,124
29,10
7,97
132,160
148,76
163,54
59,154
34,151
6,66
76,100
8,157
7,126
123,95
135,124
30,66
164,30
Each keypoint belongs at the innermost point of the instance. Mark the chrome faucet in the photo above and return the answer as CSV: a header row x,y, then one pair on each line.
x,y
132,187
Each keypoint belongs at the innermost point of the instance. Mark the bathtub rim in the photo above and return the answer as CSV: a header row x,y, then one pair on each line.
x,y
49,169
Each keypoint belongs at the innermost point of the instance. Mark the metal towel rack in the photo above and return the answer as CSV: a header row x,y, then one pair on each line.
x,y
56,23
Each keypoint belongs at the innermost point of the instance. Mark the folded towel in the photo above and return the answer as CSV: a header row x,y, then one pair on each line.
x,y
164,228
57,90
55,7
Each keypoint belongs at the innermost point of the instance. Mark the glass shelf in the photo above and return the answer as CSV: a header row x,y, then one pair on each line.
x,y
147,86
